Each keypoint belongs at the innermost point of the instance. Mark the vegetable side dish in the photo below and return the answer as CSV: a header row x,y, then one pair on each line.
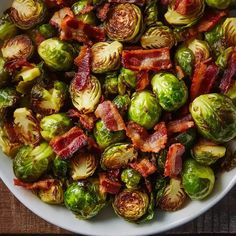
x,y
123,102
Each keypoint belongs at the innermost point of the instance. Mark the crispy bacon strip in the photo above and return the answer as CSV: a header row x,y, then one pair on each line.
x,y
42,184
142,80
144,167
108,185
59,16
173,165
153,59
111,117
102,11
69,143
137,2
144,141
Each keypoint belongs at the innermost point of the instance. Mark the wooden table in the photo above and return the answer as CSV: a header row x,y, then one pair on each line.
x,y
15,218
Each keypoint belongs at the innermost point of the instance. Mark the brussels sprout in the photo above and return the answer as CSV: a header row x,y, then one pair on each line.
x,y
229,29
144,109
215,116
26,126
207,153
54,125
110,84
232,92
19,47
57,54
104,137
198,180
219,4
171,92
60,167
127,77
7,28
53,195
131,178
124,23
8,98
82,166
131,204
161,160
181,15
32,162
122,103
160,187
106,56
84,199
4,75
27,13
118,155
86,100
187,138
229,161
173,196
158,37
222,60
47,31
151,12
88,18
47,100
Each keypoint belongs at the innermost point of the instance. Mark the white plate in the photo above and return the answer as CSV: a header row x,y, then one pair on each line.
x,y
106,223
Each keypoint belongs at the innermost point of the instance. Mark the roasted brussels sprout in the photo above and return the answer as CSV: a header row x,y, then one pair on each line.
x,y
219,4
187,138
122,103
27,13
151,12
60,167
144,109
127,77
104,137
229,29
57,54
118,155
223,58
84,199
173,196
161,160
54,125
198,180
160,187
158,37
229,161
110,84
82,166
124,23
106,56
215,116
8,98
131,178
4,75
47,31
131,204
7,28
171,92
47,100
32,162
19,47
53,195
207,153
232,92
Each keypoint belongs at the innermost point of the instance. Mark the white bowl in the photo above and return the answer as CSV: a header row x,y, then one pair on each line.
x,y
106,223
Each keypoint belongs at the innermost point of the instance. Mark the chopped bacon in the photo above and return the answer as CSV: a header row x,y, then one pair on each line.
x,y
144,167
179,72
185,7
108,185
147,142
58,3
142,80
137,2
86,9
16,64
229,73
102,11
152,59
69,143
111,117
42,184
173,164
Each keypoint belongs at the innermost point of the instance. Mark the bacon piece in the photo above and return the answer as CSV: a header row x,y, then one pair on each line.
x,y
111,117
185,7
173,164
14,65
165,2
152,59
108,185
102,11
179,72
142,80
86,9
58,3
144,167
42,184
147,142
59,16
69,143
137,2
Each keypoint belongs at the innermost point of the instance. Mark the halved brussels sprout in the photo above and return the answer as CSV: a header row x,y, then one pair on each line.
x,y
144,109
54,125
19,47
173,197
215,116
161,160
47,31
122,103
7,28
158,37
27,13
82,166
198,180
131,204
131,178
118,155
106,56
8,98
104,137
187,138
229,29
86,100
160,187
4,75
124,23
84,199
32,162
127,77
222,60
232,92
151,12
219,4
110,84
57,54
47,100
171,92
207,153
229,161
53,195
60,167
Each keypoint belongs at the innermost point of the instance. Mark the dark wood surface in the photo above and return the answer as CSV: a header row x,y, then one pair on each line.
x,y
16,218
